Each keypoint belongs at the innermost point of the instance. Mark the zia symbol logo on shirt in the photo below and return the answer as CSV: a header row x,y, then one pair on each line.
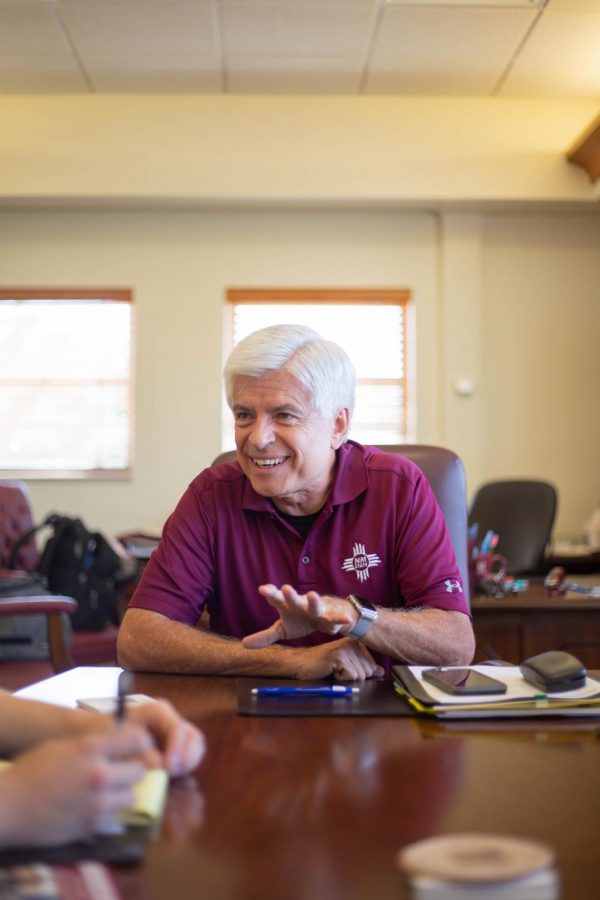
x,y
360,562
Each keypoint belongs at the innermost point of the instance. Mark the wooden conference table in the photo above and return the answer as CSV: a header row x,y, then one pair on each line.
x,y
311,808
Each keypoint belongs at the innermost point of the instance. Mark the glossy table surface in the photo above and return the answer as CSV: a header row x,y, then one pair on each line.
x,y
301,808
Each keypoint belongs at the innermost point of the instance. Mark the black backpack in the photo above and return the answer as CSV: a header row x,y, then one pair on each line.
x,y
80,564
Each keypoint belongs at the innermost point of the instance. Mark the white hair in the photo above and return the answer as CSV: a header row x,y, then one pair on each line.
x,y
321,366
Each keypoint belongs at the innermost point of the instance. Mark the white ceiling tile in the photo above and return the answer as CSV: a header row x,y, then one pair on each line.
x,y
302,30
30,29
560,59
321,4
40,75
166,4
573,6
111,29
459,4
308,46
151,74
445,51
289,75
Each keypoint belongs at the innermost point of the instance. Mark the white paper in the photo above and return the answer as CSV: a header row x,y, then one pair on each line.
x,y
517,687
81,683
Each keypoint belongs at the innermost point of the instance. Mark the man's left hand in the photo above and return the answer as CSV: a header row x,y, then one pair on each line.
x,y
299,615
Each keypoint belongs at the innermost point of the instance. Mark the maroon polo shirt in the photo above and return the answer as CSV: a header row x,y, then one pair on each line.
x,y
380,535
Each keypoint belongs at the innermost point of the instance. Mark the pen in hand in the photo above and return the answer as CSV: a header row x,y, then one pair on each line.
x,y
123,689
115,826
331,690
151,757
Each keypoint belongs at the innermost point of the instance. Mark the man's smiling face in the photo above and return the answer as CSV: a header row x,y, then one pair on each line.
x,y
285,446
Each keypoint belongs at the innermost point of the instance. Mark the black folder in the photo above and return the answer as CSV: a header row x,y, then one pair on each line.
x,y
376,697
113,849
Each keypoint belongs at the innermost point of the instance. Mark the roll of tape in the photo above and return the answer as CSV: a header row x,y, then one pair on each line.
x,y
475,857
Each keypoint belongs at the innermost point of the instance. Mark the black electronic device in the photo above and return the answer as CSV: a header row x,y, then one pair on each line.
x,y
462,681
554,671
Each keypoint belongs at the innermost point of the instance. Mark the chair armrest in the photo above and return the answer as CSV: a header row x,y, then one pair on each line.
x,y
28,606
52,607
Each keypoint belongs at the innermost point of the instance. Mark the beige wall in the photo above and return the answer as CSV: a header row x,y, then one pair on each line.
x,y
179,265
117,191
541,351
249,149
510,302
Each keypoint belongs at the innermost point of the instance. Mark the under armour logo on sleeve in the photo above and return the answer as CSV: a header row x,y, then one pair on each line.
x,y
452,586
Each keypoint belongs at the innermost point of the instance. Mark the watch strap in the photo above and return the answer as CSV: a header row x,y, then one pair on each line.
x,y
367,614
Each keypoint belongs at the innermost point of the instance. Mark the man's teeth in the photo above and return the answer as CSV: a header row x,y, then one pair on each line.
x,y
269,463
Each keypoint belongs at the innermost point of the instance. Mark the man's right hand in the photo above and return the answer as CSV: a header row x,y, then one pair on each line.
x,y
67,790
345,659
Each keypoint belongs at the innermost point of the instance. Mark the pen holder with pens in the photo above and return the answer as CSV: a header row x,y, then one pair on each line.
x,y
487,571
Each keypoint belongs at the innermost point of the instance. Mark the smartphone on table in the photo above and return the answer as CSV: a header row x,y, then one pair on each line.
x,y
462,681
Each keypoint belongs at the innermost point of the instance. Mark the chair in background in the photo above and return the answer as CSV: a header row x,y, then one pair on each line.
x,y
15,674
87,647
445,472
522,514
446,475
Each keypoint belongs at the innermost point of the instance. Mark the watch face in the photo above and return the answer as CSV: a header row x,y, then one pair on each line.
x,y
364,602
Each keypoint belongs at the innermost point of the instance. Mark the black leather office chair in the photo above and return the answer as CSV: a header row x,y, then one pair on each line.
x,y
446,475
522,514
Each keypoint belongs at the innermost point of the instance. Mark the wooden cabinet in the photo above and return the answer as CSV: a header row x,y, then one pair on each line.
x,y
514,628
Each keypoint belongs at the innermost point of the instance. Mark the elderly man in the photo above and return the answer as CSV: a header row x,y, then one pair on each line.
x,y
313,555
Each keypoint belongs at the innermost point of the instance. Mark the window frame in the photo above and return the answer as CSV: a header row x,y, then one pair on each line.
x,y
116,295
343,296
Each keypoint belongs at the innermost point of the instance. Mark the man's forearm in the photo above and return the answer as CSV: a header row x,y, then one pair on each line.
x,y
423,637
154,643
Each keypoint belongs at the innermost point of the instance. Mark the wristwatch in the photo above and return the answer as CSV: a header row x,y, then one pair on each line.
x,y
367,614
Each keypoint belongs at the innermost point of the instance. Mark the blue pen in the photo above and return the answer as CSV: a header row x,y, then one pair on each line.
x,y
333,690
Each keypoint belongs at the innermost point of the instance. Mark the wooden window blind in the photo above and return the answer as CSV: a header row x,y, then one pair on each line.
x,y
370,324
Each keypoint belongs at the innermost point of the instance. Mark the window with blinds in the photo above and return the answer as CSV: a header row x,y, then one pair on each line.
x,y
372,326
65,383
